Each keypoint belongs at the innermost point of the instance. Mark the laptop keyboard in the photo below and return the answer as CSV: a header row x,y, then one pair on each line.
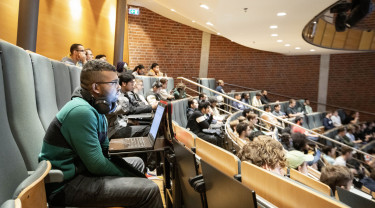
x,y
137,142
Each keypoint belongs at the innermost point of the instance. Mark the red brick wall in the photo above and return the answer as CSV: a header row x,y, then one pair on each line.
x,y
352,82
176,47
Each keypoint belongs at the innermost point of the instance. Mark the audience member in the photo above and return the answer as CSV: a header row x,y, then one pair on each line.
x,y
138,91
369,182
266,153
327,122
286,141
350,135
202,97
298,160
277,111
297,129
300,144
89,55
242,119
155,71
268,119
76,143
77,56
329,154
341,137
336,119
153,96
346,154
246,112
220,85
352,118
237,105
101,57
198,122
256,99
245,97
291,112
163,92
122,67
307,107
179,92
334,175
215,111
264,97
244,131
233,125
253,120
192,106
118,124
139,70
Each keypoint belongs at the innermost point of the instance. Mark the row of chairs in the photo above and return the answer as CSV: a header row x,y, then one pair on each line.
x,y
277,190
33,89
148,81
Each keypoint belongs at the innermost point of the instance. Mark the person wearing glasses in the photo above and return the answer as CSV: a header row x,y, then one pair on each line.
x,y
77,56
76,143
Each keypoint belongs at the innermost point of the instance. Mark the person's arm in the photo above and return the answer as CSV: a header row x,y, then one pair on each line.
x,y
80,128
203,122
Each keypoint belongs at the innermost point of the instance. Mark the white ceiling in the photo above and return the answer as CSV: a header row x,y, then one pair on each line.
x,y
250,28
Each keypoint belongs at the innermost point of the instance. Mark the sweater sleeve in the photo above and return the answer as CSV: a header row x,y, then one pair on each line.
x,y
81,130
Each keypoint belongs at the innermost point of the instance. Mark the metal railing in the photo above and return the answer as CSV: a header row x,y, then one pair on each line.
x,y
280,119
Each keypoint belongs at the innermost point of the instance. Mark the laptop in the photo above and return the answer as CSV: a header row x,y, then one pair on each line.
x,y
354,200
139,143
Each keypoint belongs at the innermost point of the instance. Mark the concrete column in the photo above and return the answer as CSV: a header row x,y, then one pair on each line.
x,y
27,24
121,10
323,81
205,52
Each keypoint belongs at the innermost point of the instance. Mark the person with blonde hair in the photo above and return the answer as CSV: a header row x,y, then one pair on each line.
x,y
266,153
220,85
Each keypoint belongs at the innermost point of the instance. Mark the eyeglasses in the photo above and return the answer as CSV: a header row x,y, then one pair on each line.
x,y
80,50
112,82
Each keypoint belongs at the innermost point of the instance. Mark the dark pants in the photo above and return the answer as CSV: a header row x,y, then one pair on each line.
x,y
132,131
211,138
87,190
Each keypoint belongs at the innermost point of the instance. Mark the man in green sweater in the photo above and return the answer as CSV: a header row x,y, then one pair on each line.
x,y
76,143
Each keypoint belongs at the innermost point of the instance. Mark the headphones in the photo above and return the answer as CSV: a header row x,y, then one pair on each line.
x,y
101,104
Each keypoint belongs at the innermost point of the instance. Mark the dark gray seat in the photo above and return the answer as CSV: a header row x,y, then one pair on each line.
x,y
179,111
62,82
209,83
318,119
75,74
21,103
44,85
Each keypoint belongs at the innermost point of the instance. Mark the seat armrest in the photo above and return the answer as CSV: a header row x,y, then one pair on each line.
x,y
11,204
54,176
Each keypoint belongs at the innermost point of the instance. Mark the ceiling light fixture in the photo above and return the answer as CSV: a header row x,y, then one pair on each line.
x,y
279,41
273,27
274,35
173,10
312,50
287,45
209,23
193,20
218,33
205,6
280,14
297,48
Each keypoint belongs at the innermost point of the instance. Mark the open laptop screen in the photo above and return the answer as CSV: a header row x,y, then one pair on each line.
x,y
156,122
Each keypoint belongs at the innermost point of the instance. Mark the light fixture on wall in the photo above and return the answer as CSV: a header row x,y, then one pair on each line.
x,y
204,6
75,9
112,19
209,23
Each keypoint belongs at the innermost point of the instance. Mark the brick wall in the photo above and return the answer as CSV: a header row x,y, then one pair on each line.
x,y
176,47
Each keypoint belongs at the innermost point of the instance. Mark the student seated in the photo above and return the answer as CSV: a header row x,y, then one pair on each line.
x,y
297,129
300,144
138,87
243,129
76,143
237,105
334,175
257,100
266,153
89,55
264,97
153,96
307,107
277,111
341,137
346,154
267,116
327,122
139,70
163,91
155,71
101,57
245,97
291,112
298,160
253,120
215,111
192,106
122,67
179,92
329,155
336,119
198,123
77,56
202,97
220,85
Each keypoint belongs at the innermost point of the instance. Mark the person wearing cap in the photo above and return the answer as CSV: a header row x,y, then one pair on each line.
x,y
153,96
256,100
297,160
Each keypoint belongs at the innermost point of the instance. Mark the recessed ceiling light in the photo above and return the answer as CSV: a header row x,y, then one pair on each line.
x,y
274,35
193,20
312,50
209,23
287,45
280,14
273,26
173,10
297,48
218,33
279,41
204,6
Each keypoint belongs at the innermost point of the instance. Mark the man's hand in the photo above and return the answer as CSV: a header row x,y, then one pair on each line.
x,y
154,105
